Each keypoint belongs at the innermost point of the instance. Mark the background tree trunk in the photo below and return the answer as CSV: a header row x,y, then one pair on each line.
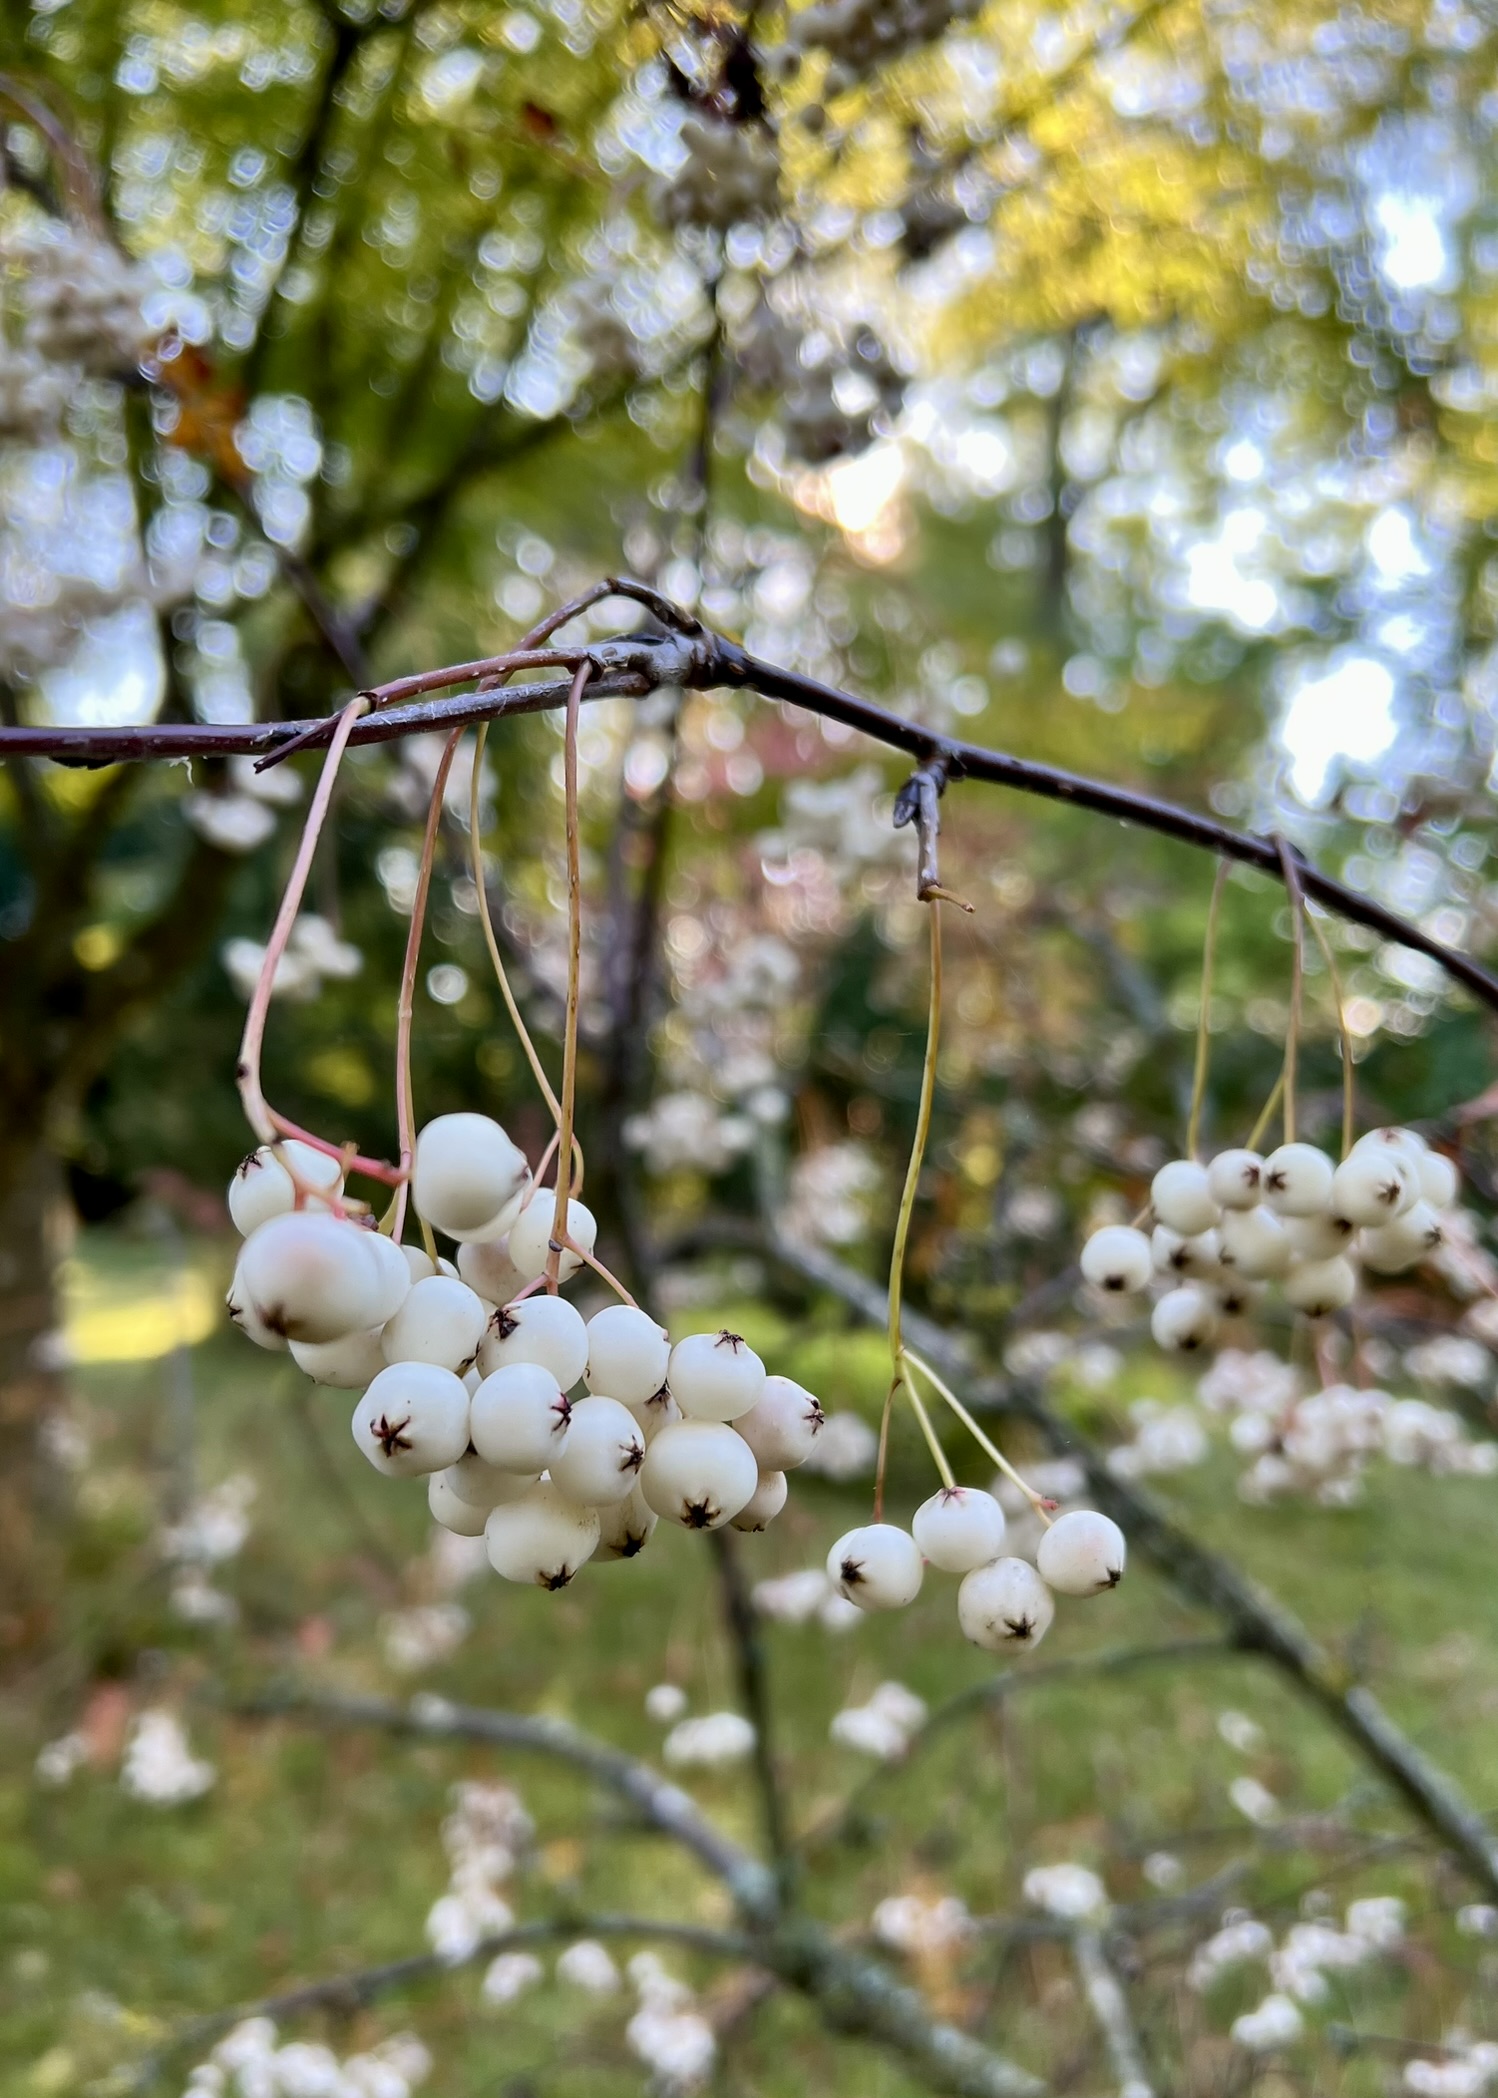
x,y
34,1230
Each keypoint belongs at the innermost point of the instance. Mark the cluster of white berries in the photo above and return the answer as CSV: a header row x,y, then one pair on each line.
x,y
252,2062
1223,1232
860,34
1002,1602
466,1377
731,174
80,300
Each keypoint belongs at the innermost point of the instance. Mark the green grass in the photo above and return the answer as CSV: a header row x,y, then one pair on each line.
x,y
318,1852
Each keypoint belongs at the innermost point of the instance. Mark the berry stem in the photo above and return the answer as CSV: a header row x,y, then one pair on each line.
x,y
907,1198
574,980
258,1113
1266,1113
938,1454
476,847
405,1106
990,1449
1349,1082
1297,973
604,1274
1204,1023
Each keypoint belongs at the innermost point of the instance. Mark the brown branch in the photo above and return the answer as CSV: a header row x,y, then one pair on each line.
x,y
692,655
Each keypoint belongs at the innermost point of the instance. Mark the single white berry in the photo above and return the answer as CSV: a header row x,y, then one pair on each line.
x,y
1297,1180
1235,1178
459,1516
419,1262
715,1376
1234,1295
1182,1199
311,1276
879,1567
1319,1286
1254,1243
627,1354
659,1411
1082,1553
1390,1249
413,1419
395,1274
464,1175
530,1236
484,1485
698,1473
601,1459
1185,1319
764,1504
1004,1605
1407,1142
782,1425
262,1187
244,1315
348,1364
441,1321
626,1528
1321,1237
518,1418
542,1538
960,1527
545,1330
1440,1182
485,1265
1117,1258
1374,1186
1198,1257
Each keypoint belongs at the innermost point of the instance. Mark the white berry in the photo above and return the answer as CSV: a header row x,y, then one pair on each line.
x,y
1321,1237
485,1265
459,1516
879,1567
542,1538
413,1419
627,1354
626,1528
1374,1186
1185,1319
782,1425
244,1315
1117,1258
698,1473
348,1363
1254,1243
1320,1286
1004,1605
465,1173
1392,1248
441,1321
1082,1553
518,1418
764,1504
1440,1182
1407,1142
1234,1179
960,1527
419,1263
484,1485
530,1236
659,1411
545,1330
1173,1255
310,1276
1182,1199
262,1187
601,1459
1297,1180
715,1376
394,1272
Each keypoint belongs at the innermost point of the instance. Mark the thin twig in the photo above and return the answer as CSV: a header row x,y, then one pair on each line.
x,y
1344,1035
1110,2008
1291,878
405,1105
907,1200
566,1121
1204,1021
745,1639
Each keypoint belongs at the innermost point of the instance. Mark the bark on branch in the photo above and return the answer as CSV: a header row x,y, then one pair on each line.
x,y
691,655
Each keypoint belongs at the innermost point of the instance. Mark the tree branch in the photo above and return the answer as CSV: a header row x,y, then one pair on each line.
x,y
694,656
